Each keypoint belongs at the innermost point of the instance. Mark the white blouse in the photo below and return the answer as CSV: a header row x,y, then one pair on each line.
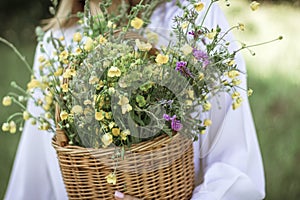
x,y
228,163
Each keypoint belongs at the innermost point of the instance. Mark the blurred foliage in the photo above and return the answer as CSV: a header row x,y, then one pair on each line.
x,y
19,19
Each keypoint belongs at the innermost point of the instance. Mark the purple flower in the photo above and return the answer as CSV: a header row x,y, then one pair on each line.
x,y
181,67
201,56
166,117
176,125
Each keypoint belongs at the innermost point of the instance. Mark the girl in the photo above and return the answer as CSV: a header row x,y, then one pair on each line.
x,y
227,158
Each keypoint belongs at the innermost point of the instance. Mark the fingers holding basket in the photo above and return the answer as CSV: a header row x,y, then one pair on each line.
x,y
121,196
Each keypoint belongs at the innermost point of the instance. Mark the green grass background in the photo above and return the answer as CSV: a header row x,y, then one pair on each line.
x,y
273,75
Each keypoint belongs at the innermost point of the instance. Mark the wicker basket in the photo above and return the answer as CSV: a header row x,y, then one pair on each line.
x,y
158,169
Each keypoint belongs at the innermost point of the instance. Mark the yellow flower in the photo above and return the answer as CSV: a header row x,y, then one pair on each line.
x,y
63,55
184,25
69,73
115,131
34,84
12,127
49,99
7,100
189,102
108,115
64,115
207,122
207,106
45,126
241,26
137,23
41,59
99,116
111,178
114,72
89,43
186,49
254,5
5,127
211,35
231,63
65,87
233,73
124,103
62,38
77,109
142,46
235,95
26,115
111,125
162,59
77,37
58,72
236,81
201,76
199,6
110,24
46,107
235,105
107,139
33,121
250,92
124,134
102,40
48,115
191,94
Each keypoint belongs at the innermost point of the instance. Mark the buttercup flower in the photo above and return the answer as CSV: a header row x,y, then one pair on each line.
x,y
211,35
6,101
26,115
124,103
65,87
207,122
250,92
137,23
114,72
199,6
64,115
12,127
207,106
162,59
254,5
89,43
99,116
107,139
142,46
241,26
77,37
102,40
124,134
115,131
111,178
5,127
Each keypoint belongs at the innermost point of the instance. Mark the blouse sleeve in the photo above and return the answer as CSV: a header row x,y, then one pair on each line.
x,y
228,157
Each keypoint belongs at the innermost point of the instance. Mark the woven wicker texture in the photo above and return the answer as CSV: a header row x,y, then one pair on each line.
x,y
159,169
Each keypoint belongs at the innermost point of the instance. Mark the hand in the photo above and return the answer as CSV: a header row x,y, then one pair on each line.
x,y
121,196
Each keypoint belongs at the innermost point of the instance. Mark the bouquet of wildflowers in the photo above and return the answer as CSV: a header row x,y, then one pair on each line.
x,y
115,85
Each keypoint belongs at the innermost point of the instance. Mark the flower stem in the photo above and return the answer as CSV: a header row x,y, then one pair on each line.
x,y
23,59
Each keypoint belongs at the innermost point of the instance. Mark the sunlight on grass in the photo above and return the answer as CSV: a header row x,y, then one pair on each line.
x,y
267,23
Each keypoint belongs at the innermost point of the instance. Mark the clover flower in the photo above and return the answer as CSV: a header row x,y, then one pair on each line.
x,y
181,67
202,57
